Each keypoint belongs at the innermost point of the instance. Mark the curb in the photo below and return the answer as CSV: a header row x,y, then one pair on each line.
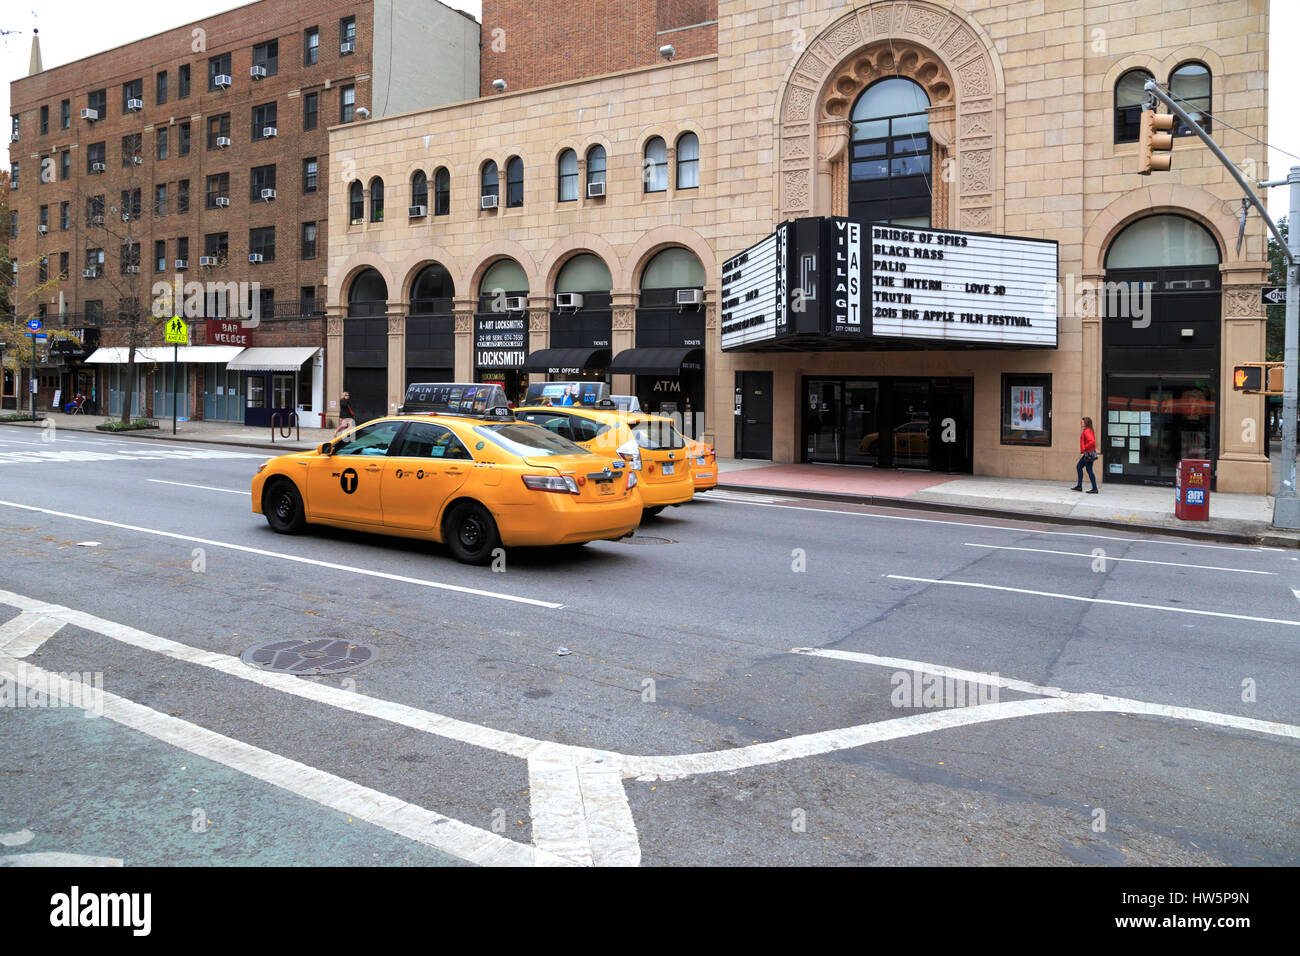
x,y
1266,538
282,447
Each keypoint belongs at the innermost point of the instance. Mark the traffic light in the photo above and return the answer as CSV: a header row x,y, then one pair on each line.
x,y
1276,375
1248,378
1155,146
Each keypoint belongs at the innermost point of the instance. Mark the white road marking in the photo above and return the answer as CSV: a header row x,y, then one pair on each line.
x,y
1296,592
995,527
27,632
1088,600
397,816
1107,557
17,839
421,582
57,859
743,497
580,812
185,484
119,454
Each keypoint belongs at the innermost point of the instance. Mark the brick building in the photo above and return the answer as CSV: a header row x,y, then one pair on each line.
x,y
576,218
197,159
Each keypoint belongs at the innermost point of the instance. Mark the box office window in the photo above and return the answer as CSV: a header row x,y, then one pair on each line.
x,y
1027,410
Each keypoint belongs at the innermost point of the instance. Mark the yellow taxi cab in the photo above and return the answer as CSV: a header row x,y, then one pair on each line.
x,y
455,467
704,465
653,448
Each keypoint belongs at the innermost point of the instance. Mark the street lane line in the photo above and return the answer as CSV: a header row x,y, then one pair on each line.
x,y
421,582
57,859
27,632
995,527
1088,600
364,803
580,810
1106,557
185,484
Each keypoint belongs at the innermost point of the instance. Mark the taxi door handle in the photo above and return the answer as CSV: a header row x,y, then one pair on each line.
x,y
374,468
455,470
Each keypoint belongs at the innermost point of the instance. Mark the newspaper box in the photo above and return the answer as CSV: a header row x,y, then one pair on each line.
x,y
1192,490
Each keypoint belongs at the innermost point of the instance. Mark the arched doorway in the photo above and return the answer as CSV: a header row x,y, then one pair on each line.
x,y
365,346
1161,343
581,323
430,327
501,327
889,154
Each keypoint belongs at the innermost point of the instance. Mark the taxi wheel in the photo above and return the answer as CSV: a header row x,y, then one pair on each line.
x,y
470,533
282,506
653,512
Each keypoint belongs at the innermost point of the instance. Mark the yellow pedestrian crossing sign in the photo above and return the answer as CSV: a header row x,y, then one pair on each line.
x,y
178,333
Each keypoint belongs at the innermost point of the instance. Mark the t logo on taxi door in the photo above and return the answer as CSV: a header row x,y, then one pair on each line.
x,y
348,480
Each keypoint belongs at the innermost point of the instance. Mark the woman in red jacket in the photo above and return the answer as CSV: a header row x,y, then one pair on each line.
x,y
1087,455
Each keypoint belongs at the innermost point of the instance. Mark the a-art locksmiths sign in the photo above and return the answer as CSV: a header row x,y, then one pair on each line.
x,y
500,341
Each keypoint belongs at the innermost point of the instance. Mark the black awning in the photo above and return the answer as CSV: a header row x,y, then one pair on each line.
x,y
657,361
558,361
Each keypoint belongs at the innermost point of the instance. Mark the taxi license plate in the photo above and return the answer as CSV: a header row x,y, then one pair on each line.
x,y
668,468
605,487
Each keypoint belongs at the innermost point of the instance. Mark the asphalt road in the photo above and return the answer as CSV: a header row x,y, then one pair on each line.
x,y
745,684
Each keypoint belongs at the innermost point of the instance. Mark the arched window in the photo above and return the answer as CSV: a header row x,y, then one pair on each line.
x,y
889,166
432,291
568,170
673,268
376,200
654,172
688,161
356,202
491,181
514,182
420,189
368,294
584,273
1190,85
1160,242
595,166
501,280
441,192
1129,97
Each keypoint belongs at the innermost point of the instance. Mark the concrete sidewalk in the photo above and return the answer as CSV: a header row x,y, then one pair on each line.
x,y
1233,517
220,433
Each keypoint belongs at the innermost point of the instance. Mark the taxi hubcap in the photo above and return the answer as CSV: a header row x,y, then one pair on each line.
x,y
284,507
471,532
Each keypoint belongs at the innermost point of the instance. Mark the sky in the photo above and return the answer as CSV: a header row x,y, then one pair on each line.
x,y
71,29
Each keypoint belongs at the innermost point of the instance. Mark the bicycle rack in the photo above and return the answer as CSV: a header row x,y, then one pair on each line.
x,y
290,426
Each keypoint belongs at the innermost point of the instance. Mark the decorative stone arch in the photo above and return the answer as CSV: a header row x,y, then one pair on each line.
x,y
570,246
665,237
411,266
494,252
352,267
944,50
1196,204
410,175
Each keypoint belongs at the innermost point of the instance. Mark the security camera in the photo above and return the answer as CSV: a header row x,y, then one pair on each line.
x,y
667,52
499,85
362,112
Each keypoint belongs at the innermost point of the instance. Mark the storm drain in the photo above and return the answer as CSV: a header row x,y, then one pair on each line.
x,y
646,539
329,655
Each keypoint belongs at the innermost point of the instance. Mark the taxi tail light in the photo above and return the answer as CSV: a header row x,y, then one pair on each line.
x,y
631,480
560,484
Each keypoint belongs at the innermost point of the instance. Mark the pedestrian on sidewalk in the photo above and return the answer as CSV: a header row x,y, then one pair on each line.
x,y
347,417
1087,455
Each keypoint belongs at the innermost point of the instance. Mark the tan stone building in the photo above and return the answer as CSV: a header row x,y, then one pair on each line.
x,y
978,116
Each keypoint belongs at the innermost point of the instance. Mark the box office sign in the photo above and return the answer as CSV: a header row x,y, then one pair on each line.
x,y
221,332
500,341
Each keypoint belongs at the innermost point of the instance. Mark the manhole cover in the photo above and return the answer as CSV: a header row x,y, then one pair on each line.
x,y
328,655
646,539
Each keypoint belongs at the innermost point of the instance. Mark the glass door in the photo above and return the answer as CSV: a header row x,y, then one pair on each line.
x,y
910,423
862,423
822,421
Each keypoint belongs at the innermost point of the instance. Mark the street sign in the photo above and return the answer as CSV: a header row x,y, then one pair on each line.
x,y
1273,295
34,324
178,333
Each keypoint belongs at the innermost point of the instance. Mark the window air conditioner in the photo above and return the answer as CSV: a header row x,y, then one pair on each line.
x,y
135,106
568,300
257,72
207,260
595,189
268,194
89,114
97,167
223,81
347,46
690,296
269,131
487,202
416,212
254,257
516,303
132,270
222,201
42,229
223,142
182,264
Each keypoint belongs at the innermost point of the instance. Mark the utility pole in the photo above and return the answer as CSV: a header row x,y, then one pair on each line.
x,y
1286,506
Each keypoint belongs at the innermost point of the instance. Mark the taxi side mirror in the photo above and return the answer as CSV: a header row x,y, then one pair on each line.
x,y
326,449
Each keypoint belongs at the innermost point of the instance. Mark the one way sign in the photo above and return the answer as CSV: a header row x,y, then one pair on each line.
x,y
1273,295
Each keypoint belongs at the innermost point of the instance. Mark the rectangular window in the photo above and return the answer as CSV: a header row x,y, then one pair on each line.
x,y
307,302
183,248
308,240
347,103
63,265
132,150
65,164
65,114
95,260
183,81
264,118
267,56
260,177
160,255
216,244
1027,410
45,217
262,241
94,210
183,196
183,139
129,206
95,153
310,110
45,120
44,275
160,88
218,128
98,101
128,257
310,46
217,66
13,175
218,188
309,168
348,31
162,136
65,216
13,224
134,90
160,199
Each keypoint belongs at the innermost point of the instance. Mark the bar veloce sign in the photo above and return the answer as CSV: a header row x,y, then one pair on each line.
x,y
857,285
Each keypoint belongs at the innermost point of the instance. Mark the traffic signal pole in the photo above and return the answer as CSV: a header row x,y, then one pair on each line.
x,y
1286,506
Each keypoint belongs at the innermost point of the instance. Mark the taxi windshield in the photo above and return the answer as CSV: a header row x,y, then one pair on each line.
x,y
528,441
657,436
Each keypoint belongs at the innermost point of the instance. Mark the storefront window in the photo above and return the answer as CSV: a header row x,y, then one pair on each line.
x,y
282,390
256,394
1153,422
1027,410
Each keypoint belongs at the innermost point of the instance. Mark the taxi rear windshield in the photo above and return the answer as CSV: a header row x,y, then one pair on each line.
x,y
657,436
528,441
